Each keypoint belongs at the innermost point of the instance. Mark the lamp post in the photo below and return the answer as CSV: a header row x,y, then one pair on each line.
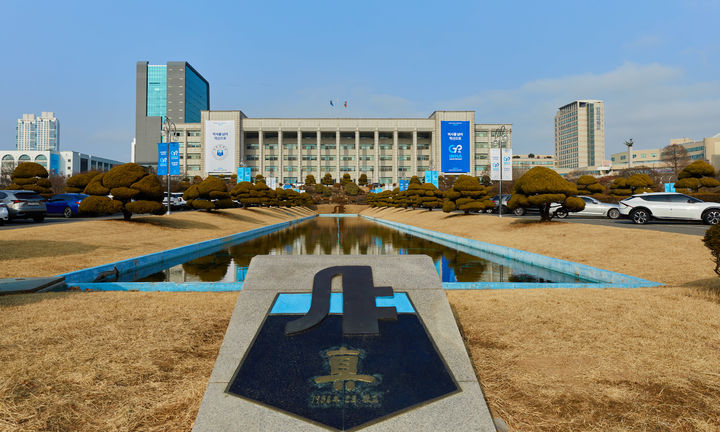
x,y
169,129
500,140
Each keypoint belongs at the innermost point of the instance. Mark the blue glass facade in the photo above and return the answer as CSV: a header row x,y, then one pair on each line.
x,y
156,90
196,96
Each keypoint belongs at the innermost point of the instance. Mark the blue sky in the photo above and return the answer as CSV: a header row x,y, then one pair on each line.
x,y
655,64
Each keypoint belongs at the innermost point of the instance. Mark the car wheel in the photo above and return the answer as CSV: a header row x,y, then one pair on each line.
x,y
711,217
519,211
561,213
640,216
613,213
39,219
67,212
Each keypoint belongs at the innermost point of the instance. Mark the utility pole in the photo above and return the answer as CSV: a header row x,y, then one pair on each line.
x,y
169,129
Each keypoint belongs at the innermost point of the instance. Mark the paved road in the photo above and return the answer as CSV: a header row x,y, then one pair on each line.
x,y
680,227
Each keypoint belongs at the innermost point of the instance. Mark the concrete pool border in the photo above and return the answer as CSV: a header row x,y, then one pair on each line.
x,y
601,278
88,275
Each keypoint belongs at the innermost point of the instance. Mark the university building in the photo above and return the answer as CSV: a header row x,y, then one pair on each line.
x,y
37,132
384,149
707,149
62,163
580,134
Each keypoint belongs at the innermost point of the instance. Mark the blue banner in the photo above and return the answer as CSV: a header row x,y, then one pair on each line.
x,y
174,151
669,187
403,184
455,146
162,168
428,176
243,174
436,178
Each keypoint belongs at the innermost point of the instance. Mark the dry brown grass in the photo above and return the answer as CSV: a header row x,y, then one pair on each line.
x,y
593,359
73,246
548,360
108,361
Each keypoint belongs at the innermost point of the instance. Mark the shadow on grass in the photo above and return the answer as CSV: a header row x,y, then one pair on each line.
x,y
707,287
238,217
31,248
531,222
15,300
259,210
168,223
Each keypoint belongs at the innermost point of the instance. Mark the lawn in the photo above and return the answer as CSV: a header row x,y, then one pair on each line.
x,y
548,359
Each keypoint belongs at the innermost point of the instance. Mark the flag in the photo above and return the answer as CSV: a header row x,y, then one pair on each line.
x,y
345,104
331,103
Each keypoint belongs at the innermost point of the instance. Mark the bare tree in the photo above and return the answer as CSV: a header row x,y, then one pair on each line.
x,y
675,156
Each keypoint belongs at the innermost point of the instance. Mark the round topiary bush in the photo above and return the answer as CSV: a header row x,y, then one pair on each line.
x,y
78,182
31,176
210,194
133,190
540,187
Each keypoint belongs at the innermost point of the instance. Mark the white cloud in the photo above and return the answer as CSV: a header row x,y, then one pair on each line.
x,y
650,103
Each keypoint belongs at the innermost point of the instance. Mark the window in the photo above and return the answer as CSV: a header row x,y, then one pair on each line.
x,y
193,133
252,157
327,146
386,146
194,145
309,158
309,146
271,158
326,158
255,146
386,158
291,146
367,146
347,158
271,146
404,146
289,158
347,169
423,147
347,146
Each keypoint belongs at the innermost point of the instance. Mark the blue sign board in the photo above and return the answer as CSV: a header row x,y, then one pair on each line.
x,y
669,187
243,174
404,185
162,168
455,146
436,178
428,177
174,151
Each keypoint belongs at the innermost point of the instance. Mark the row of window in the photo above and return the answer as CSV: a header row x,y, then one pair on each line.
x,y
292,146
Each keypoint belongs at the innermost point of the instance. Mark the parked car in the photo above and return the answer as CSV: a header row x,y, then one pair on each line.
x,y
179,200
593,207
65,204
23,204
496,203
3,214
520,211
641,208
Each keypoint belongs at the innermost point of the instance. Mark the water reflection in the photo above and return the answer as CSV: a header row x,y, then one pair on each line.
x,y
345,236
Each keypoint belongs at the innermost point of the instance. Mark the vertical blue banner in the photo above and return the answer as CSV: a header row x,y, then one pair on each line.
x,y
403,184
669,187
243,174
174,151
162,168
436,178
428,176
455,146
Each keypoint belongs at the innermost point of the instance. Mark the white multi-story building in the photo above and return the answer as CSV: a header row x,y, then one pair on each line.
x,y
38,132
64,163
580,134
384,149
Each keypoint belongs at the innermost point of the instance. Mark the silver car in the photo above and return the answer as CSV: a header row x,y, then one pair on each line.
x,y
593,207
641,208
23,204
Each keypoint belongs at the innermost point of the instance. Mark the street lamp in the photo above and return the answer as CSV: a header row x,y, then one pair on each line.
x,y
169,129
500,140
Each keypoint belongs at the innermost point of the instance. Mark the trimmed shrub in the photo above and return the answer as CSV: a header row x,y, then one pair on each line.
x,y
431,197
96,204
210,194
589,185
78,182
363,181
327,180
540,187
636,183
696,175
468,195
712,242
125,182
243,193
31,176
351,188
309,180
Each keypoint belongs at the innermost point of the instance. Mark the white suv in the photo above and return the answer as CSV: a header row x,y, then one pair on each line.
x,y
663,205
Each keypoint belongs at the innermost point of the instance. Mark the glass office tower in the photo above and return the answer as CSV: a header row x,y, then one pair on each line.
x,y
175,91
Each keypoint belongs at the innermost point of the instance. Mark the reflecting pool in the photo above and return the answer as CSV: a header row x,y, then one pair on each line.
x,y
353,236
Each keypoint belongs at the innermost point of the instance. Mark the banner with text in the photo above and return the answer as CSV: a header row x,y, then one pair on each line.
x,y
162,168
455,146
220,147
507,164
494,164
